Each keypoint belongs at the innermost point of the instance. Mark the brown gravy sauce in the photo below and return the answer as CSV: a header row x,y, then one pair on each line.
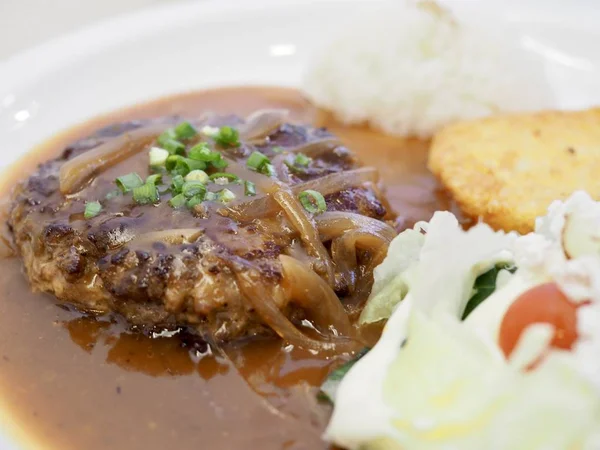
x,y
73,382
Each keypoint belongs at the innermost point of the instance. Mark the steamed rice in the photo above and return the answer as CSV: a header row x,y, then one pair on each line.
x,y
411,68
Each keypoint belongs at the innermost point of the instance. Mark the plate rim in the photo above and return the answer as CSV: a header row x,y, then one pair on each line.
x,y
58,51
109,31
34,63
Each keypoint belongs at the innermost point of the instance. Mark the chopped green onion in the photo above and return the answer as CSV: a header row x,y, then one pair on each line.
x,y
158,156
168,141
256,161
187,165
129,182
210,196
249,188
202,152
171,162
268,170
194,189
225,196
278,149
185,131
177,183
147,193
312,201
227,137
302,160
196,200
220,163
295,169
197,175
166,135
175,147
92,209
154,179
219,176
112,194
182,166
178,201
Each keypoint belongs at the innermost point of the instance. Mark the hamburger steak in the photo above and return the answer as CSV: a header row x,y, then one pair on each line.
x,y
165,259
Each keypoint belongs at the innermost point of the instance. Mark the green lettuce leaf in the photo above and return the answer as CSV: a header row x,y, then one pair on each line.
x,y
485,285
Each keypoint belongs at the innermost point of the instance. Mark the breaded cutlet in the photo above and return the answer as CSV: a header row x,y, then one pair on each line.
x,y
507,170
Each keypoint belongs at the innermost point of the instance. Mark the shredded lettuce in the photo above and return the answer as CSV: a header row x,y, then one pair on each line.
x,y
446,387
443,262
392,277
438,379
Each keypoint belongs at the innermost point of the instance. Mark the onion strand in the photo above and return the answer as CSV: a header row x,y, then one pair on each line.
x,y
76,172
257,294
309,235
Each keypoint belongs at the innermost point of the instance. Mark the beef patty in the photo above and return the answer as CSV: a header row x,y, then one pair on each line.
x,y
164,266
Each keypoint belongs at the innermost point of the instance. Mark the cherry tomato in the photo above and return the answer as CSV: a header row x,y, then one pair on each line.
x,y
542,304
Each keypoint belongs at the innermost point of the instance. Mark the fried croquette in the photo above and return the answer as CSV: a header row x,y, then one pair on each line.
x,y
507,170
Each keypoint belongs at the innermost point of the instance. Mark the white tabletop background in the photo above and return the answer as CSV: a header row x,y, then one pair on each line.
x,y
25,23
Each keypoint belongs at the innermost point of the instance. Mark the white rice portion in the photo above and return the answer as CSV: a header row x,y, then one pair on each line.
x,y
410,69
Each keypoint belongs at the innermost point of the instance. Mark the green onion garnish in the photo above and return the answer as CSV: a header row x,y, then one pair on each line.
x,y
178,201
249,188
182,166
177,183
227,137
196,200
147,193
219,176
166,135
171,162
256,161
302,160
168,141
312,201
278,149
295,169
225,196
268,170
185,131
129,182
201,152
194,189
197,175
154,179
210,196
220,163
158,156
92,209
187,165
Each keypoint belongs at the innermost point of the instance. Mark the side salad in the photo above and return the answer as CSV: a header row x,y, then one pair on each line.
x,y
492,339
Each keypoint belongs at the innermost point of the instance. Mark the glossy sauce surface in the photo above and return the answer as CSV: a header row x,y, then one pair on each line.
x,y
72,382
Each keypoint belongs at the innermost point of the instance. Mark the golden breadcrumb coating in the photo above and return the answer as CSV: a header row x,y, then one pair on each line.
x,y
507,170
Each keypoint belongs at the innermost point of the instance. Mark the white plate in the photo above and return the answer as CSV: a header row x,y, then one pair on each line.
x,y
188,46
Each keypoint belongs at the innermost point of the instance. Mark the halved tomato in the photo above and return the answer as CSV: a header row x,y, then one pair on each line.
x,y
545,303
